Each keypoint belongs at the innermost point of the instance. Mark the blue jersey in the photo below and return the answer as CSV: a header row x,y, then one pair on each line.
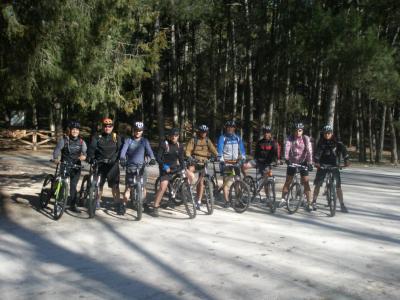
x,y
134,151
230,147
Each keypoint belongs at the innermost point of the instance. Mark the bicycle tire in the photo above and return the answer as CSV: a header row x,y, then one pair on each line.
x,y
239,196
332,197
251,183
137,204
84,191
294,198
91,203
60,200
45,193
184,192
209,195
271,196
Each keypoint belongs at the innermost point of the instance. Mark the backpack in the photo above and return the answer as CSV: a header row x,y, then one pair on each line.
x,y
114,137
196,139
167,145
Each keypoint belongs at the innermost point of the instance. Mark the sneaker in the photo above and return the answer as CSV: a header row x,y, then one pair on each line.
x,y
343,208
120,209
226,205
198,205
75,209
155,212
308,207
282,203
98,205
314,206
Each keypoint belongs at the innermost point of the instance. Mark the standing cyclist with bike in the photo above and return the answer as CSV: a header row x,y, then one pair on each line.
x,y
200,148
133,154
266,152
230,149
170,160
104,150
328,152
73,150
298,150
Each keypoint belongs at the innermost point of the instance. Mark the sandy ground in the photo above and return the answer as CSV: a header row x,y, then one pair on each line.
x,y
254,255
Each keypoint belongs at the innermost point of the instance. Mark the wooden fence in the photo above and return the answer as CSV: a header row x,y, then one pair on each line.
x,y
33,138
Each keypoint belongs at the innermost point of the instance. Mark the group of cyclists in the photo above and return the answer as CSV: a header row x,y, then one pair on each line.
x,y
109,152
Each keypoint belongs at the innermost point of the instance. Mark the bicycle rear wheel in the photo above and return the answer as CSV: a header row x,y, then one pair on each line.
x,y
209,195
60,199
331,197
184,194
84,191
45,193
239,196
92,202
271,196
294,198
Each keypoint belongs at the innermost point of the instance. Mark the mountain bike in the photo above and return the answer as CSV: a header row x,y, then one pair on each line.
x,y
56,187
295,196
330,187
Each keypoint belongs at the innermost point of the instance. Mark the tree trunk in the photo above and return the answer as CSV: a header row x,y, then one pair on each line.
x,y
319,102
235,71
34,115
362,149
174,75
194,78
332,104
286,104
58,119
157,90
382,134
213,86
370,133
394,157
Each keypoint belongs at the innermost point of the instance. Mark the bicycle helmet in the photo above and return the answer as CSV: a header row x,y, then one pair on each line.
x,y
107,121
327,128
266,129
74,124
230,123
298,126
174,131
203,128
138,126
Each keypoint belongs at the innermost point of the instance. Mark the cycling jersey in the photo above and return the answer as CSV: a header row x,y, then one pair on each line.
x,y
105,146
266,151
134,151
298,149
330,151
230,147
70,148
170,155
200,149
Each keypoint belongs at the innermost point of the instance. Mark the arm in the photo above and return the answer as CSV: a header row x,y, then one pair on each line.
x,y
181,157
57,150
220,146
92,148
288,145
317,154
160,154
189,148
212,148
310,150
124,150
343,151
242,149
149,151
84,151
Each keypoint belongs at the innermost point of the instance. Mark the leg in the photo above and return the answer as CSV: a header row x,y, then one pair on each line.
x,y
190,174
285,189
307,189
160,193
74,178
200,188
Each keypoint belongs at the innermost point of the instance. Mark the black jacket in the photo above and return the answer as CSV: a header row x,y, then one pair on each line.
x,y
330,152
105,146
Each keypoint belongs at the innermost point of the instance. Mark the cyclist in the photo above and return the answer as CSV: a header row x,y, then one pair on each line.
x,y
105,149
73,150
170,160
329,152
200,148
230,148
133,153
266,152
298,150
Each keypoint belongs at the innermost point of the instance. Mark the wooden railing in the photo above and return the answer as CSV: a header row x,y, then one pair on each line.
x,y
33,138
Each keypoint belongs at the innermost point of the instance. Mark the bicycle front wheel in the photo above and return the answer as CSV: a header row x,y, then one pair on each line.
x,y
45,193
60,199
184,194
84,190
92,202
271,196
251,183
137,200
209,195
294,198
331,198
239,196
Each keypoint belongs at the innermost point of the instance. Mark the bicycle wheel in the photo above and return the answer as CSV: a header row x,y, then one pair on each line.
x,y
251,183
174,183
209,195
331,197
91,203
271,196
184,194
60,199
294,198
84,191
45,193
137,200
239,196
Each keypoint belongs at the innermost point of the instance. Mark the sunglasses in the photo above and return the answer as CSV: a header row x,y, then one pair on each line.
x,y
300,130
108,126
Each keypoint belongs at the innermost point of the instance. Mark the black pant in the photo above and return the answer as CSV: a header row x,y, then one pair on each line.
x,y
74,178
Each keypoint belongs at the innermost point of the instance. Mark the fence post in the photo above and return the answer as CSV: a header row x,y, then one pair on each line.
x,y
34,140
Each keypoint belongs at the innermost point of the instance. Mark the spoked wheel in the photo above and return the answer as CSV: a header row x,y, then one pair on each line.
x,y
91,203
239,196
331,197
45,193
208,196
84,191
172,199
251,183
271,196
60,199
294,198
137,200
184,194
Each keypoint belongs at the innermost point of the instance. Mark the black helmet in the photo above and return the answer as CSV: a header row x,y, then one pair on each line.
x,y
266,129
202,128
327,128
74,124
174,131
138,126
230,123
298,126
